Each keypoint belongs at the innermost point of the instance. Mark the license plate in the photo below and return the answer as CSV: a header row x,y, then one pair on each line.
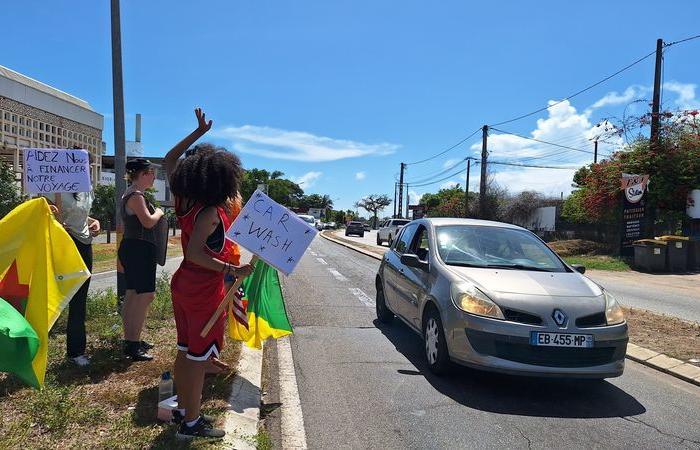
x,y
561,340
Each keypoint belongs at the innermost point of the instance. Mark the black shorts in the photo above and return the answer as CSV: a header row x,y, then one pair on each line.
x,y
139,260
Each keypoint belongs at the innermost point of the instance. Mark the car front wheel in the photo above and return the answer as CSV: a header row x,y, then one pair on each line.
x,y
383,313
435,346
379,241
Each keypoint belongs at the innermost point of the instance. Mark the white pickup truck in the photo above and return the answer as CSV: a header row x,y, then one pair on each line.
x,y
389,230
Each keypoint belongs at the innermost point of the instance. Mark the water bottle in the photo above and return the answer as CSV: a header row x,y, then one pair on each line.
x,y
165,388
165,391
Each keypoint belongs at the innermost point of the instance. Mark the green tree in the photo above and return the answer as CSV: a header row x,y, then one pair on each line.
x,y
103,208
281,190
373,204
10,195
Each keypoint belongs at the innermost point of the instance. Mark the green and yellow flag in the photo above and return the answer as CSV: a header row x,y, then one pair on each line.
x,y
265,315
40,271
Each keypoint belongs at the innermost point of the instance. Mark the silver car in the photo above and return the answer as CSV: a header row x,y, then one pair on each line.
x,y
493,296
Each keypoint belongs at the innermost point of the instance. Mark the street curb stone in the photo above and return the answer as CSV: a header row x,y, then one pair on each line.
x,y
655,360
243,415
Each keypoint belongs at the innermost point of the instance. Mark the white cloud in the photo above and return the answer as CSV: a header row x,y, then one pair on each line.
x,y
359,176
297,145
686,94
414,197
450,163
308,179
449,184
613,98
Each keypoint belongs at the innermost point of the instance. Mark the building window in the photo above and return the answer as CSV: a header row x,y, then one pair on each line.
x,y
14,129
7,116
6,127
35,124
34,135
41,136
41,126
70,135
53,129
21,131
53,139
14,118
21,120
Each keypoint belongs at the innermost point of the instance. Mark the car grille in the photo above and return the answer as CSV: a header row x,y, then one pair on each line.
x,y
593,320
521,317
519,350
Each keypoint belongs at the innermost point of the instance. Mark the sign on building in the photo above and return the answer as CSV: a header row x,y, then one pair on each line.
x,y
56,170
633,210
271,231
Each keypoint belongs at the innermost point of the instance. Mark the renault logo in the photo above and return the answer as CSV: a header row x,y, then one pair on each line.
x,y
560,318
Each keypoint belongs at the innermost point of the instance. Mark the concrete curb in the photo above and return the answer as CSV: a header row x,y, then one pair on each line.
x,y
243,415
659,361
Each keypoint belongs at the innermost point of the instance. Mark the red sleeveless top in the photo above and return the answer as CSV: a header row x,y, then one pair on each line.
x,y
192,283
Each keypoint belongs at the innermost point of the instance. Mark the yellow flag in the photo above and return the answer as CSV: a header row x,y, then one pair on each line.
x,y
40,270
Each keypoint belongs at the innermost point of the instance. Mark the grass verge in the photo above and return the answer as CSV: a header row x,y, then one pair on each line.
x,y
104,256
599,262
672,336
111,404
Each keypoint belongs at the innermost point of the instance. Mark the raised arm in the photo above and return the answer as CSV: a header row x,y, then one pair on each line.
x,y
179,149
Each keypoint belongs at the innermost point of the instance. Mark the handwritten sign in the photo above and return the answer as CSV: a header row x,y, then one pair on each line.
x,y
271,231
54,170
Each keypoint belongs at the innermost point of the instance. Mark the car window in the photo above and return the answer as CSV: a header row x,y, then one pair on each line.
x,y
399,222
403,242
486,246
420,246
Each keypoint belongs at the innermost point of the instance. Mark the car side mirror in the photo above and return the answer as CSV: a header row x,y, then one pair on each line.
x,y
579,268
411,260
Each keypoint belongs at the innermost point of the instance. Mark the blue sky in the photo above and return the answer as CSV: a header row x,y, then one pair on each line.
x,y
337,94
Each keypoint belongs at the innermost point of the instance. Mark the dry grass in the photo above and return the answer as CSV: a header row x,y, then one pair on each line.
x,y
675,337
578,247
104,256
113,403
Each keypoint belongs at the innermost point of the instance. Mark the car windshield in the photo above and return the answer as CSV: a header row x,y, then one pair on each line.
x,y
495,247
401,222
356,223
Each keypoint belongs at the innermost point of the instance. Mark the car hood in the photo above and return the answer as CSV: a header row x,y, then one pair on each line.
x,y
524,282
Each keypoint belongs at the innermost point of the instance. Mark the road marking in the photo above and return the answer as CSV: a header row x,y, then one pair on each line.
x,y
338,276
313,253
322,261
293,433
361,296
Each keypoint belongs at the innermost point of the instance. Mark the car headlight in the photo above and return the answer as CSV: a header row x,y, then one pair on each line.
x,y
613,311
470,299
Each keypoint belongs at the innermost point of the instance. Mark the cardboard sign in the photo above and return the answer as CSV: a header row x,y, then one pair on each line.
x,y
271,231
55,170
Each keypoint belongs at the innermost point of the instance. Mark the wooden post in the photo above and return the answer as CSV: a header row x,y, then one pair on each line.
x,y
223,306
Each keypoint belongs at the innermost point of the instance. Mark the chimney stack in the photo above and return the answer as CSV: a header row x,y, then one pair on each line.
x,y
138,128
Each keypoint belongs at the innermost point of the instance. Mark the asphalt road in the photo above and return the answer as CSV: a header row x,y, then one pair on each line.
x,y
672,294
363,385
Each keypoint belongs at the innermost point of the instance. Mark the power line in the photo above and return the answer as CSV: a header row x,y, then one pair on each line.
x,y
441,179
447,150
429,177
543,142
587,88
697,36
503,163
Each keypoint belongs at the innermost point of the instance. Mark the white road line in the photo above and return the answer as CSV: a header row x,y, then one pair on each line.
x,y
293,433
361,296
313,253
322,261
338,276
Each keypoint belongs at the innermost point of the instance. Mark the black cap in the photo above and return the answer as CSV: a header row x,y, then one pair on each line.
x,y
138,164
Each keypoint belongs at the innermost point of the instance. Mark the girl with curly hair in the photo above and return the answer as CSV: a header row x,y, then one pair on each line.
x,y
205,185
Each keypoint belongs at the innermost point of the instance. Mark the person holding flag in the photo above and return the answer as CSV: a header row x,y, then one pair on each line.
x,y
203,184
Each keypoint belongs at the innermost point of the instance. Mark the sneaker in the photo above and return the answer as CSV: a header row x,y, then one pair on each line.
x,y
80,361
146,345
133,350
178,417
201,428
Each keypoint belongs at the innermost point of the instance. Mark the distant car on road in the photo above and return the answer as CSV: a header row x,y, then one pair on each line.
x,y
329,226
355,228
366,226
493,296
389,229
311,220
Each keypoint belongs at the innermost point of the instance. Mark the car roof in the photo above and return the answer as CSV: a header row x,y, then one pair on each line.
x,y
441,221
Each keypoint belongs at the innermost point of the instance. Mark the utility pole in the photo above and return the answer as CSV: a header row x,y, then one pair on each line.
x,y
403,166
407,201
595,151
466,190
656,102
119,138
395,190
482,184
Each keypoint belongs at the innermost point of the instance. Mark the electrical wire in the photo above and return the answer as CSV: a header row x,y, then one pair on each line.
x,y
430,177
697,36
503,163
587,88
440,180
543,142
447,150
